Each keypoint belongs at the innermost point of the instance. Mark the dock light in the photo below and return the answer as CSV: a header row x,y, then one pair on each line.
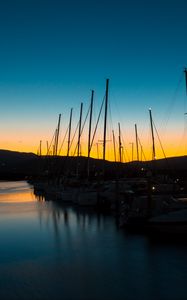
x,y
153,188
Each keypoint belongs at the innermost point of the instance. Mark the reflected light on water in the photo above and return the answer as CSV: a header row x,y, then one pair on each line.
x,y
15,191
19,197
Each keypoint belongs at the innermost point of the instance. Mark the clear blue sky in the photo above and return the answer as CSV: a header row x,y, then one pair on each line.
x,y
54,52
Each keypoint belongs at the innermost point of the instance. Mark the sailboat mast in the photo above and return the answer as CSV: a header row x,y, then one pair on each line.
x,y
69,133
105,119
132,151
79,136
57,135
152,134
89,133
97,144
90,124
114,143
137,149
47,145
120,147
54,143
40,151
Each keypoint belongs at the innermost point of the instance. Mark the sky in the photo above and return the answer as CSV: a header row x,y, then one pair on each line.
x,y
53,53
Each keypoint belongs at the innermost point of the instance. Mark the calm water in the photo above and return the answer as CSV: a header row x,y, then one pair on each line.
x,y
49,251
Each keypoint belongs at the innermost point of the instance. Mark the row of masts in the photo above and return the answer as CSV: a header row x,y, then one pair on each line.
x,y
90,141
104,141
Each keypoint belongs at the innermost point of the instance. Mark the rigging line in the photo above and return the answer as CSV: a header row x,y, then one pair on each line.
x,y
110,114
75,150
127,154
123,142
141,148
48,151
51,142
181,142
81,130
159,140
94,109
38,150
171,104
110,127
124,147
74,136
97,123
167,161
85,120
73,139
63,140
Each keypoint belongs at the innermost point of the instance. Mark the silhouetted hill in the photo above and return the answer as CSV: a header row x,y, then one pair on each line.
x,y
172,166
20,165
175,163
15,156
16,164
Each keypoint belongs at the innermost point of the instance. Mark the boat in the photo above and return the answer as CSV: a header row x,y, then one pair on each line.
x,y
160,213
156,210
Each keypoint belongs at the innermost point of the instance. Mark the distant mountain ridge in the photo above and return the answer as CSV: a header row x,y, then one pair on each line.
x,y
21,164
177,162
15,155
16,164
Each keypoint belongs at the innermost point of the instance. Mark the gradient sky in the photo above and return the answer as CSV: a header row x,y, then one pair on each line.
x,y
54,52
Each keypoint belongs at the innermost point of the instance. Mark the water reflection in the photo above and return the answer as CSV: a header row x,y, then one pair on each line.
x,y
16,191
71,220
54,251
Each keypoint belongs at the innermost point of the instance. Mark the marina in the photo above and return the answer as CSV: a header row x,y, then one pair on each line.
x,y
93,150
